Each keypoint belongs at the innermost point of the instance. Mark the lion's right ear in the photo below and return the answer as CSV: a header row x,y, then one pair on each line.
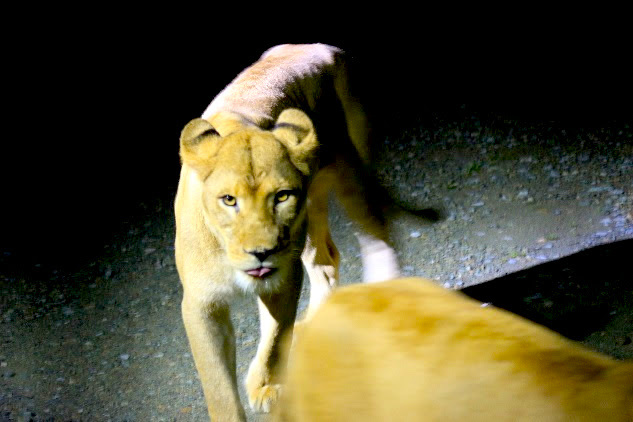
x,y
198,144
295,130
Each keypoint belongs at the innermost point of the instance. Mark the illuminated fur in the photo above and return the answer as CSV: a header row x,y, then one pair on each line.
x,y
410,350
252,204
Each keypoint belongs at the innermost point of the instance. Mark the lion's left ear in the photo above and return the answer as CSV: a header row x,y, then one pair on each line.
x,y
295,130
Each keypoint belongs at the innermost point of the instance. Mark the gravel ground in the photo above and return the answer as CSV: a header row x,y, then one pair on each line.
x,y
537,218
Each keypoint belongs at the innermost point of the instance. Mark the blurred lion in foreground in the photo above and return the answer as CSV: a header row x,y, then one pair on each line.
x,y
409,350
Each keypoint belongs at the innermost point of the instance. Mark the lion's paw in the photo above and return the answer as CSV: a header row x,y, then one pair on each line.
x,y
262,398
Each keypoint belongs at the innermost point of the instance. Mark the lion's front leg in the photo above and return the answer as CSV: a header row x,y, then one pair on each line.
x,y
277,313
320,255
321,260
212,341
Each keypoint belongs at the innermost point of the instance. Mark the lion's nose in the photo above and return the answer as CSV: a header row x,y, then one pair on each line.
x,y
261,254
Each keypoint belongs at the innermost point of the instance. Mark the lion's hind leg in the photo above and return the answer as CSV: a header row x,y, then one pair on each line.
x,y
363,202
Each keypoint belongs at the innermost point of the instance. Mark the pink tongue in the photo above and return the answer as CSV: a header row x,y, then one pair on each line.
x,y
258,272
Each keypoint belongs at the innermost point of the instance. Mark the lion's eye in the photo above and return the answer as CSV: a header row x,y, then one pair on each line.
x,y
229,200
282,196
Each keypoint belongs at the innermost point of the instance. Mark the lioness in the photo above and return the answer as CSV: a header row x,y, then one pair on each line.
x,y
252,202
410,350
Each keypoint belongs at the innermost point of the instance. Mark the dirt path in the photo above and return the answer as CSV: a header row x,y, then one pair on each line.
x,y
103,341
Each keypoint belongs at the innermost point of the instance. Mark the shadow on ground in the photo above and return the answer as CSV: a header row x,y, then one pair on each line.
x,y
587,296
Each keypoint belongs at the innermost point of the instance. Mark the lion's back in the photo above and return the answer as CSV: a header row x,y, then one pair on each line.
x,y
285,76
411,347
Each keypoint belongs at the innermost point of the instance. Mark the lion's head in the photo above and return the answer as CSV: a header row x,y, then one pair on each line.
x,y
253,192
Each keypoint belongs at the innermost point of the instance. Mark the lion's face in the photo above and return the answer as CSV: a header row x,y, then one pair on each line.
x,y
253,193
252,200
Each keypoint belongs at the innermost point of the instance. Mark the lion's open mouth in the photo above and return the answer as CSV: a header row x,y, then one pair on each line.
x,y
260,272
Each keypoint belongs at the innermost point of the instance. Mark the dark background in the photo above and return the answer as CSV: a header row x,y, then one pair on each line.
x,y
96,103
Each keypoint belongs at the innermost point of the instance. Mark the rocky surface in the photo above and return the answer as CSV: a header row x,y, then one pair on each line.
x,y
103,340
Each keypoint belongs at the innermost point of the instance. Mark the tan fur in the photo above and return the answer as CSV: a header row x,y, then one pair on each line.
x,y
409,350
286,128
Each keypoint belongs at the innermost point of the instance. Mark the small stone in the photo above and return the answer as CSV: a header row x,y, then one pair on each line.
x,y
523,194
415,234
598,189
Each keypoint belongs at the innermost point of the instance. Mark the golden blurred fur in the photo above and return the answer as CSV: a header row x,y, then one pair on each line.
x,y
410,350
251,204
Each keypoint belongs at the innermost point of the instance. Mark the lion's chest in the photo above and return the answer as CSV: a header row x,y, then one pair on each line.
x,y
216,284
